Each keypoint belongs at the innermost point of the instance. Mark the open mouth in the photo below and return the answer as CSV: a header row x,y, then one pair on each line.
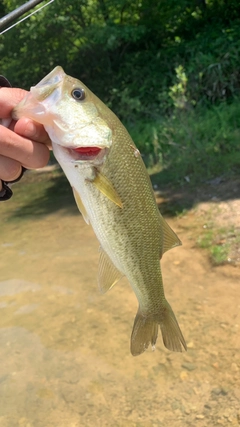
x,y
88,151
85,153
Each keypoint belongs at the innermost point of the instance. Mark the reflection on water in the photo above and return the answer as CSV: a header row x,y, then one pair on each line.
x,y
65,358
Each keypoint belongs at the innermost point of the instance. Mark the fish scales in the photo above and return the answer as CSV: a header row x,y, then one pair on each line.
x,y
139,236
128,248
114,193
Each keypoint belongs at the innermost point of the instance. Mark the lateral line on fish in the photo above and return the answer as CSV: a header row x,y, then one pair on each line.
x,y
26,17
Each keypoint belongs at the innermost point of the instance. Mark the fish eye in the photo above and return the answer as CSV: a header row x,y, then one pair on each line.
x,y
78,94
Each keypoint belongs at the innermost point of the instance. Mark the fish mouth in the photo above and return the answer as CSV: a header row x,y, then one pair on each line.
x,y
82,154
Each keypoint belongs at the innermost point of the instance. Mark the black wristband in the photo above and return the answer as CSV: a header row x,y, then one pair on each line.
x,y
6,192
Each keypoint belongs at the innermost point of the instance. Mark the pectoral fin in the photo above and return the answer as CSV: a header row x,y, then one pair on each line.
x,y
170,239
80,205
106,187
108,274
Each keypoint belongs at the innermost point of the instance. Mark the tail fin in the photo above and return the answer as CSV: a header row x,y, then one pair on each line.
x,y
171,333
145,331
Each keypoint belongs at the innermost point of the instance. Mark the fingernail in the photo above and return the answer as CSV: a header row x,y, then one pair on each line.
x,y
16,175
30,129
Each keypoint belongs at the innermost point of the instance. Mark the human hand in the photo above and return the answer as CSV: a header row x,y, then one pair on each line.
x,y
24,143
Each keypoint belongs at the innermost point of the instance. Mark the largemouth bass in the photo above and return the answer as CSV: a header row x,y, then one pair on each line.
x,y
114,194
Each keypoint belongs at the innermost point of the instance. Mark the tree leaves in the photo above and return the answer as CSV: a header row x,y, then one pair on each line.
x,y
127,51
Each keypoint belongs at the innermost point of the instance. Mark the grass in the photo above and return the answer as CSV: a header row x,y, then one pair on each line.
x,y
192,146
219,254
217,242
206,240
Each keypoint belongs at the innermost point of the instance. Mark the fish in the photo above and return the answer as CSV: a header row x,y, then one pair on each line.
x,y
114,194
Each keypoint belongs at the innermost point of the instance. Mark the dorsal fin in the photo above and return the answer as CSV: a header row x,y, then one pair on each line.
x,y
170,239
108,274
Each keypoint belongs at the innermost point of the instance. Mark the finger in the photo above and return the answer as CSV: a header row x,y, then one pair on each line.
x,y
9,169
32,130
28,153
8,99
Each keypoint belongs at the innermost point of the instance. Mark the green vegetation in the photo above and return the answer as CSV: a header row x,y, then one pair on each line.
x,y
169,69
192,146
219,254
219,243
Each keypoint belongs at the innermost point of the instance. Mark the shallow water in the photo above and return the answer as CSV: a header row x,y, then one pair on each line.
x,y
65,359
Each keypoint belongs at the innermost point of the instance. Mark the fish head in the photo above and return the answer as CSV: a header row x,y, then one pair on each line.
x,y
69,112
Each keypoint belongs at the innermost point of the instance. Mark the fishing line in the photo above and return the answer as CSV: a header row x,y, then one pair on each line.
x,y
23,19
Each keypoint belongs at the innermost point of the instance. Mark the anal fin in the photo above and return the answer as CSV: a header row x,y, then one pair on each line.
x,y
108,274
